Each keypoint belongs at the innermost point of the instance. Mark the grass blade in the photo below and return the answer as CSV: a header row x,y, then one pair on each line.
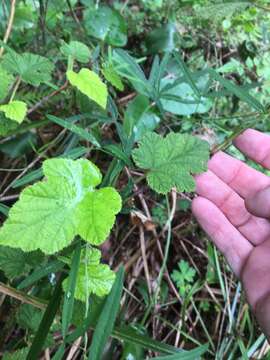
x,y
75,129
69,294
186,355
38,274
107,318
46,321
187,75
237,91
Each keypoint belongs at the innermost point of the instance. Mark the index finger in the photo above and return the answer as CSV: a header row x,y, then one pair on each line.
x,y
255,145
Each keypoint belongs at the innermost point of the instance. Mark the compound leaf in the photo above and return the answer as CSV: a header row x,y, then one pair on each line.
x,y
33,69
48,214
171,161
90,84
15,110
77,50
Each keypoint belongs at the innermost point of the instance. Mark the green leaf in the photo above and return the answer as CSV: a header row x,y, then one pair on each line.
x,y
51,213
98,208
13,262
237,91
126,66
41,272
7,125
33,69
90,84
46,322
107,318
163,39
93,277
181,99
194,354
77,50
70,290
139,118
171,161
75,129
15,110
112,76
6,80
106,24
29,317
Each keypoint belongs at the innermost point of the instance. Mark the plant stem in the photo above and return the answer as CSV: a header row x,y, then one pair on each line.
x,y
9,25
21,296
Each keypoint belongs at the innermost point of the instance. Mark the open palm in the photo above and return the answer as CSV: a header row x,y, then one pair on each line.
x,y
233,207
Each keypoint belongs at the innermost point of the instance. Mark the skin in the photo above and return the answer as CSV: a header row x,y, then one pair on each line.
x,y
233,208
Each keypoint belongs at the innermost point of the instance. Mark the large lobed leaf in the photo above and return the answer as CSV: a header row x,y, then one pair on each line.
x,y
33,69
51,213
172,160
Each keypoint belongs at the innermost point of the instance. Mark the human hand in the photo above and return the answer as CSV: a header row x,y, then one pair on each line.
x,y
233,207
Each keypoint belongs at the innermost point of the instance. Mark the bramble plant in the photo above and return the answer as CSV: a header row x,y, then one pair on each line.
x,y
136,91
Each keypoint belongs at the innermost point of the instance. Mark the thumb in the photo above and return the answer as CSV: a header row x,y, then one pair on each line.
x,y
259,203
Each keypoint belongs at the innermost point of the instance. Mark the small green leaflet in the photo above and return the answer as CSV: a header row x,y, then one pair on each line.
x,y
15,110
33,69
93,277
90,84
6,80
76,50
171,161
112,76
52,212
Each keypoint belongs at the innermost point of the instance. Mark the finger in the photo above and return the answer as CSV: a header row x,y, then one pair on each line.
x,y
259,204
255,274
243,179
226,237
256,281
255,229
255,145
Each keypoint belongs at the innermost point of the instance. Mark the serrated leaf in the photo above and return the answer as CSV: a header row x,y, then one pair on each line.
x,y
171,161
6,80
33,69
49,214
93,277
90,84
112,77
15,110
77,50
